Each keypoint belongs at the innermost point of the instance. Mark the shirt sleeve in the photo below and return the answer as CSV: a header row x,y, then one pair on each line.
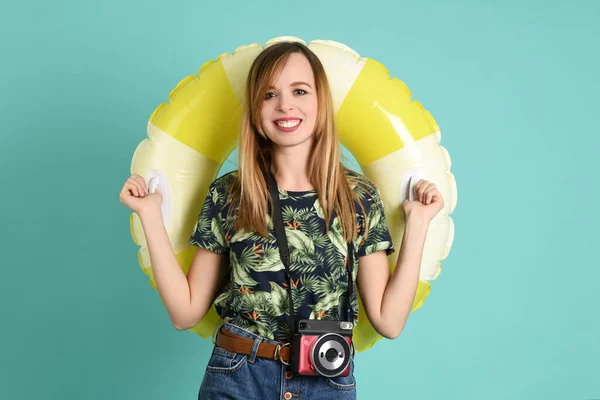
x,y
378,235
208,232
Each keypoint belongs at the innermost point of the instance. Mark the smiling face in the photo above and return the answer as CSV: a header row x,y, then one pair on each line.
x,y
288,113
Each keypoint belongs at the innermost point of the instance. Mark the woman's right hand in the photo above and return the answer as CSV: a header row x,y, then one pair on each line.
x,y
135,196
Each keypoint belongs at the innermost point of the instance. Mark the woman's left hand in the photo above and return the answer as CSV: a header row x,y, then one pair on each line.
x,y
428,203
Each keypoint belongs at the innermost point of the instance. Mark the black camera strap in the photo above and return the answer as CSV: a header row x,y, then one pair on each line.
x,y
284,252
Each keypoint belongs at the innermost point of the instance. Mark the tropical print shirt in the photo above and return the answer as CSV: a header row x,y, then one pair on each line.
x,y
255,297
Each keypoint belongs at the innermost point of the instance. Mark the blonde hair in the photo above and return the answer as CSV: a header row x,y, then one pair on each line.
x,y
325,170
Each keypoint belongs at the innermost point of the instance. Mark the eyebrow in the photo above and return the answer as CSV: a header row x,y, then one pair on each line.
x,y
297,83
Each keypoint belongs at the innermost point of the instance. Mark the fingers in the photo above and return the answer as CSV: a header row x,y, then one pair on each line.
x,y
426,192
421,189
136,185
140,184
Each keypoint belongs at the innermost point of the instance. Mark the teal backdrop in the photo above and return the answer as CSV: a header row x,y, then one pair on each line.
x,y
514,87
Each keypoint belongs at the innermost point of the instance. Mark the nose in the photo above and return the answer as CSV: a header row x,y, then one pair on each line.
x,y
285,102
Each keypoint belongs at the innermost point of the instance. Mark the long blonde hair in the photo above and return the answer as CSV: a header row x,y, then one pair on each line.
x,y
326,172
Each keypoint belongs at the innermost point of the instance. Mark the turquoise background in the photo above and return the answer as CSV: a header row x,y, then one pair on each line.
x,y
514,88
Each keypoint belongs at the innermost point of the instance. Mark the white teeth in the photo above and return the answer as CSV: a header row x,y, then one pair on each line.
x,y
288,124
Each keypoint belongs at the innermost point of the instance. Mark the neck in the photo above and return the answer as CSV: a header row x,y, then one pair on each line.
x,y
289,166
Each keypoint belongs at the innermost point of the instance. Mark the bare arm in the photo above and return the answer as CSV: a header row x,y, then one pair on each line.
x,y
388,300
187,299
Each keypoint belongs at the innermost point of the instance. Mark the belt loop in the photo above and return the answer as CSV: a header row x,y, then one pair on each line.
x,y
254,350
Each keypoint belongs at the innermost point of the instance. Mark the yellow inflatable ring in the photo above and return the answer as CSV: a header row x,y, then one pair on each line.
x,y
392,137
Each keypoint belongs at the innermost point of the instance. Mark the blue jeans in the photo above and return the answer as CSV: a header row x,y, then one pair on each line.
x,y
237,376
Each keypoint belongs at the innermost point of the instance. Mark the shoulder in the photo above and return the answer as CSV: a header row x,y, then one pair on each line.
x,y
368,197
219,192
361,185
223,183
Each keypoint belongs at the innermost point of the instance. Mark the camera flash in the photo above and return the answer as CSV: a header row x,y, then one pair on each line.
x,y
346,325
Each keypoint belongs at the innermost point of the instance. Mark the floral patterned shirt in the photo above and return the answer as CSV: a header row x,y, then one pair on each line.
x,y
255,297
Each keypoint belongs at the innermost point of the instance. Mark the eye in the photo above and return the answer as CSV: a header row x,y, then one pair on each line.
x,y
301,90
269,95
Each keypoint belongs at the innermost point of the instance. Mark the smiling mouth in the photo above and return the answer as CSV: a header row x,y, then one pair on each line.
x,y
288,124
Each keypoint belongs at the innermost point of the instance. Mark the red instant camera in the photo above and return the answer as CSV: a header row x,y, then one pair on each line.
x,y
322,347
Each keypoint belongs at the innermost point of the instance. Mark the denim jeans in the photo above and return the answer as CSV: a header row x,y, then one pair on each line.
x,y
237,376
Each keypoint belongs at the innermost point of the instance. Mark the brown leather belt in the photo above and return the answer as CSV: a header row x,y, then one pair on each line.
x,y
243,345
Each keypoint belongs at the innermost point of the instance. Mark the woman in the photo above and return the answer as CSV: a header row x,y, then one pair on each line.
x,y
287,133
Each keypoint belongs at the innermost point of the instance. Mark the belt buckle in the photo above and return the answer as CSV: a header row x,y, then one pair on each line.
x,y
277,355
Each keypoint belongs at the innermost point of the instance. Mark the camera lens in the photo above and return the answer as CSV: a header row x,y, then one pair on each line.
x,y
331,355
302,325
